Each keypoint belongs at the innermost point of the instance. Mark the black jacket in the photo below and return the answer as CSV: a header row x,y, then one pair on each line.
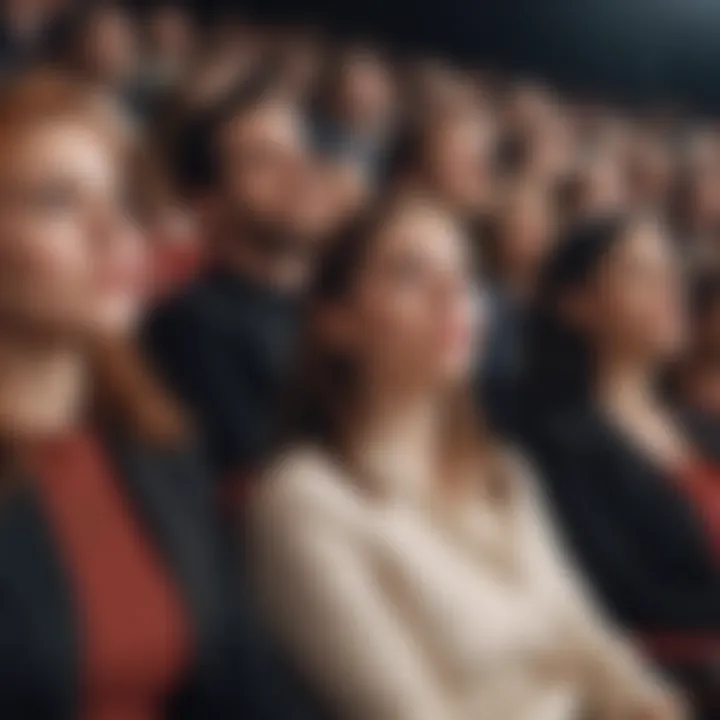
x,y
234,674
638,537
223,346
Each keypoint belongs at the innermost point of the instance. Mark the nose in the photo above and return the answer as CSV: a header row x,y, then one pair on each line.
x,y
109,225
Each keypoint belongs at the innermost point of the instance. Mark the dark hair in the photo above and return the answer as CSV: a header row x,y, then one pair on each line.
x,y
320,395
513,155
705,294
67,32
558,375
195,155
406,154
315,393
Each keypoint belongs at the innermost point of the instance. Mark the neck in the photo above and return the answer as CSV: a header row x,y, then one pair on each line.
x,y
281,271
41,389
623,383
395,438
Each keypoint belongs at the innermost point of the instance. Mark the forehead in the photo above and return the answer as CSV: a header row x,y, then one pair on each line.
x,y
276,122
68,145
468,129
644,242
421,229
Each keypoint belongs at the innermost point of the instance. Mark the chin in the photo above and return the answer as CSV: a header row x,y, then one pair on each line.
x,y
115,320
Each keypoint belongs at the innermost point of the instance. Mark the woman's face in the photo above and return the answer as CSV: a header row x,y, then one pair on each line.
x,y
71,261
367,92
459,161
110,47
412,316
637,299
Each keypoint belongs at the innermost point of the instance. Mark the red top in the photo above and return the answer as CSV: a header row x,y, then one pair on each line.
x,y
134,635
174,265
701,483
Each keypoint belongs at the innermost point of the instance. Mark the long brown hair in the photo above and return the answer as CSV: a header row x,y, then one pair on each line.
x,y
324,388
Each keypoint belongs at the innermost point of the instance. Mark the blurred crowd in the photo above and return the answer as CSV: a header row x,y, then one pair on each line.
x,y
348,382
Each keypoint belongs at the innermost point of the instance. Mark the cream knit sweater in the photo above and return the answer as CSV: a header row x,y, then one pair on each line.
x,y
398,607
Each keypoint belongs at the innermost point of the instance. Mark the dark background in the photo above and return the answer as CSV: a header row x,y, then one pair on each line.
x,y
638,50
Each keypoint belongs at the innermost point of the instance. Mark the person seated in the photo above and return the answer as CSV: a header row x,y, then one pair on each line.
x,y
447,152
401,553
355,107
519,236
222,344
631,488
116,595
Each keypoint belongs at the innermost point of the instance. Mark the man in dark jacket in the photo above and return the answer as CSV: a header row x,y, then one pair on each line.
x,y
224,343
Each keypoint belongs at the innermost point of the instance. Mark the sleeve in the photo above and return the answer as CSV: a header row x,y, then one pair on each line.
x,y
614,676
324,602
189,354
611,558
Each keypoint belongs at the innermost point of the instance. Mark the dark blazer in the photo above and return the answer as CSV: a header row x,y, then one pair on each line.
x,y
234,674
223,346
637,536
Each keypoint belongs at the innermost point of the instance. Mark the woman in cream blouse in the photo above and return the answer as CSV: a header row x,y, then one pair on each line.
x,y
403,558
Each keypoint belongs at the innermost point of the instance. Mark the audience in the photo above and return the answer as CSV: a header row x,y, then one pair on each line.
x,y
425,579
346,253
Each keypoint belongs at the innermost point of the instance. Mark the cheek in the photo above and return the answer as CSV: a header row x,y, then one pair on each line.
x,y
653,320
121,284
394,327
262,193
415,335
46,266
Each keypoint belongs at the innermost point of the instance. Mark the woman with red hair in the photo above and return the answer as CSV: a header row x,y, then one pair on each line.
x,y
113,598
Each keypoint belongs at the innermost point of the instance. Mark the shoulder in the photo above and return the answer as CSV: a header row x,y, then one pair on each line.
x,y
518,471
194,309
175,466
305,486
